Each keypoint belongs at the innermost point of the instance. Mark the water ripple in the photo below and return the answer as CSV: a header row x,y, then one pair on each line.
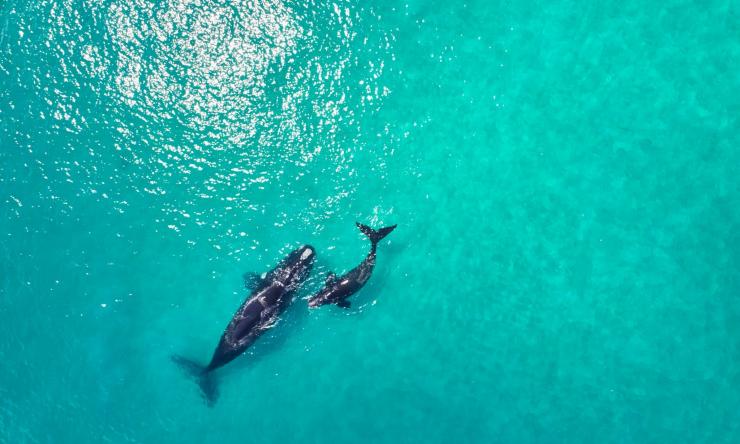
x,y
216,113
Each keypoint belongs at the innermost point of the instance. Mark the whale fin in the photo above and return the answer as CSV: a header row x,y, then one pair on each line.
x,y
375,235
330,278
204,378
252,281
344,304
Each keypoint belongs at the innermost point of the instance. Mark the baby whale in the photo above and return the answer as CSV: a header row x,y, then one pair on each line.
x,y
337,289
271,294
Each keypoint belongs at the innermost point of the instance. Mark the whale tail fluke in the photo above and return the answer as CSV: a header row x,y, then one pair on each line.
x,y
206,381
375,236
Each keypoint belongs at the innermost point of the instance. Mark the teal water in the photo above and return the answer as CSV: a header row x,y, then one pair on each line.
x,y
564,176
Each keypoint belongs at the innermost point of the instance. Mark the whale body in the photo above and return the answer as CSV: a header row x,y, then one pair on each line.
x,y
271,294
336,290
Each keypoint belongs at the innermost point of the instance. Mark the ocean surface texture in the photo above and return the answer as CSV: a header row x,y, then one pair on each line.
x,y
565,177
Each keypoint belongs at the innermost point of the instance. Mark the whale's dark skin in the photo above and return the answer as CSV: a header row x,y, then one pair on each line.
x,y
271,294
337,289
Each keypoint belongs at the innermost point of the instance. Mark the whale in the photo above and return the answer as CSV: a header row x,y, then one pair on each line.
x,y
271,293
337,290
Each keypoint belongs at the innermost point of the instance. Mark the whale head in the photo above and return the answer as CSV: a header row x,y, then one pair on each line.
x,y
297,265
323,297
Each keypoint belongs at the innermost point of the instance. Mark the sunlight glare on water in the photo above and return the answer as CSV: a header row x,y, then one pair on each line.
x,y
216,107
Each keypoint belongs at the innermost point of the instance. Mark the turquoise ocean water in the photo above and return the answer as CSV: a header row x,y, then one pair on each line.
x,y
565,179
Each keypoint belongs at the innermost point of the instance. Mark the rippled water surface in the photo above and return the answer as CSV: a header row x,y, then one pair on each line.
x,y
564,177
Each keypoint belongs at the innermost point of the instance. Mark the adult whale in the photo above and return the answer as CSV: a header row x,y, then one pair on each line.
x,y
271,294
337,290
